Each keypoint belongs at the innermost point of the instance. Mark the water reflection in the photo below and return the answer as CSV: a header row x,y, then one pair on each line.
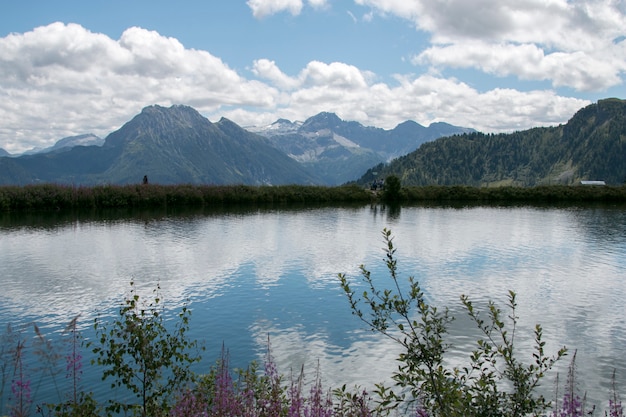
x,y
358,358
252,273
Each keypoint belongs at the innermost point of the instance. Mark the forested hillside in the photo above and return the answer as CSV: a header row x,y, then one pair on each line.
x,y
591,146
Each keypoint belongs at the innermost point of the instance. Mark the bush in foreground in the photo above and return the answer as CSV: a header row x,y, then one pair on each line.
x,y
494,383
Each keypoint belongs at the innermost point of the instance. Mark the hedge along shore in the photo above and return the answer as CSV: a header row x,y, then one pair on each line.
x,y
44,197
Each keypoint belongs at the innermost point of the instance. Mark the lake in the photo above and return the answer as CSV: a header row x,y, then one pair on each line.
x,y
249,274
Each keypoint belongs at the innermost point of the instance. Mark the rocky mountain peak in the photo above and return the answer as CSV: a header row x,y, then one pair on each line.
x,y
174,114
323,120
279,127
157,120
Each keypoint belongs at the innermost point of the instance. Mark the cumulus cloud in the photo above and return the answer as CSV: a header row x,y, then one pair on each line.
x,y
334,75
266,69
580,70
354,95
555,23
61,80
570,43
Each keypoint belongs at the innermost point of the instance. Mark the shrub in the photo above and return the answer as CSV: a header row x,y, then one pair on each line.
x,y
495,382
139,353
392,188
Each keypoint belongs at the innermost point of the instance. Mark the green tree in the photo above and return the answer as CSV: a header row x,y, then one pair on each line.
x,y
392,188
495,382
141,354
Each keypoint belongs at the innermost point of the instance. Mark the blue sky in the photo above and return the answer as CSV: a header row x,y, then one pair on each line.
x,y
74,67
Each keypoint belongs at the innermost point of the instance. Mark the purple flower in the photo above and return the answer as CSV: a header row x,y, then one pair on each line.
x,y
20,386
319,404
189,405
295,397
615,408
225,402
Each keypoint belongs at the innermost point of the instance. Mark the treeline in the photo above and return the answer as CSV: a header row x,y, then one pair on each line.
x,y
591,146
46,197
545,194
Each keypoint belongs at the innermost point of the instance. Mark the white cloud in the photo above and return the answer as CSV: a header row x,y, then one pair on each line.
x,y
264,8
352,16
334,75
61,80
580,70
425,99
570,43
556,23
266,69
318,4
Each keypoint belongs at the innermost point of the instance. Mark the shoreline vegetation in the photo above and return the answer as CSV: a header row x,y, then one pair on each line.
x,y
50,197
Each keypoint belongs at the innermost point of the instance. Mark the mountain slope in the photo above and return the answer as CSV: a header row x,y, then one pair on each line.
x,y
340,151
591,146
169,145
68,143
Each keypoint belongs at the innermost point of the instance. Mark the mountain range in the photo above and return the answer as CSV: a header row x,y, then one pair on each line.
x,y
590,146
178,145
339,151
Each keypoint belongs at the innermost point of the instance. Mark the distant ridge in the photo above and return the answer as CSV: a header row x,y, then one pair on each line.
x,y
341,151
68,143
178,145
590,146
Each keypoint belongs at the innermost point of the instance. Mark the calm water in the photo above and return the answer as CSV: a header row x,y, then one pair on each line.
x,y
248,275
